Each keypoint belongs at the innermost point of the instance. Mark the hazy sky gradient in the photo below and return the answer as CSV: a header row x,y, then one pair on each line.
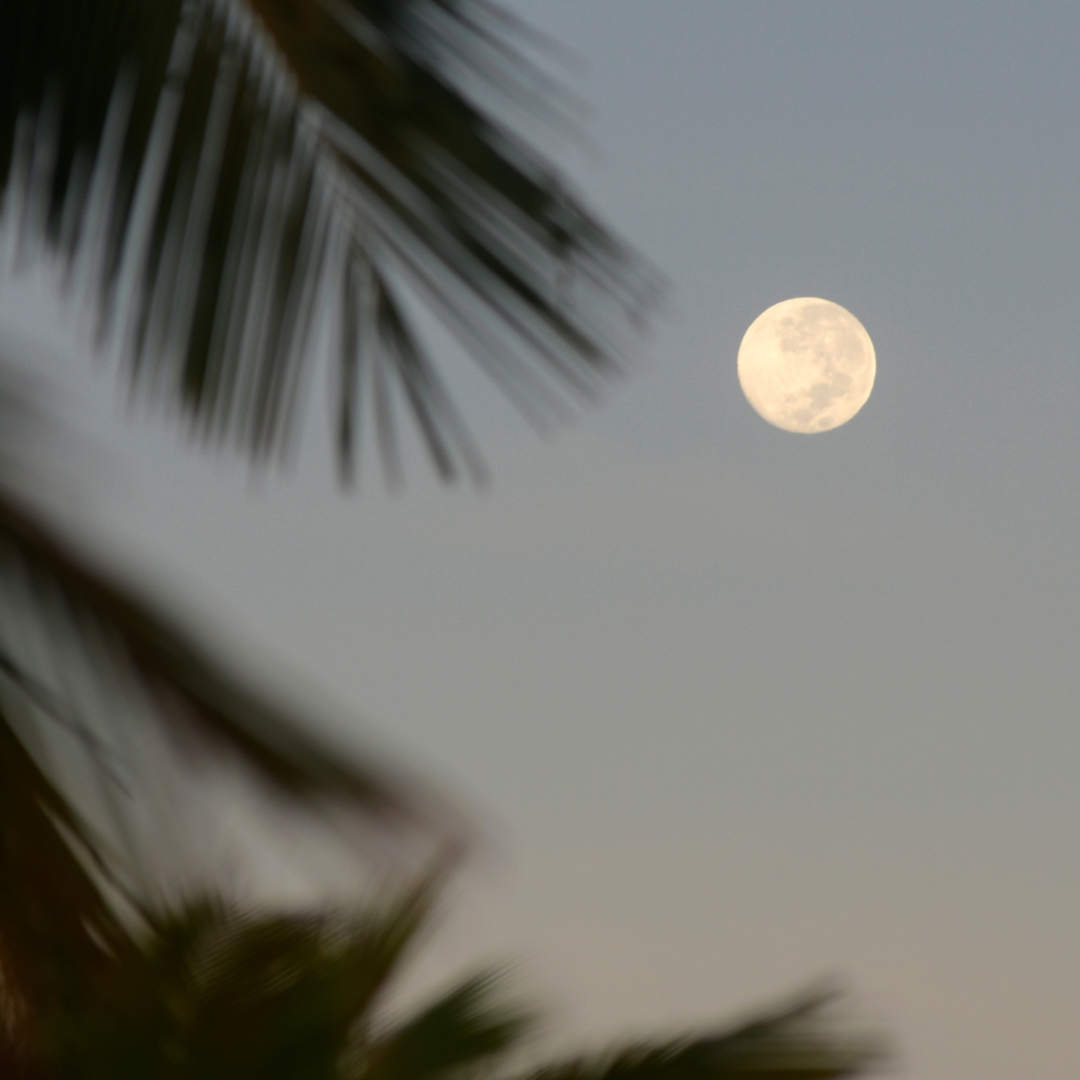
x,y
741,707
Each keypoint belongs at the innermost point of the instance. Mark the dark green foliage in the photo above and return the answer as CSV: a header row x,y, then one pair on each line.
x,y
216,175
224,995
82,655
464,1028
213,993
216,171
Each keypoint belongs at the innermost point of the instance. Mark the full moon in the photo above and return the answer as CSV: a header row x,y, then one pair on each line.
x,y
807,365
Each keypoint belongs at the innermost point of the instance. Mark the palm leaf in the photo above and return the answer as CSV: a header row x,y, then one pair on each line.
x,y
794,1042
76,600
213,991
220,174
57,932
62,883
466,1026
86,661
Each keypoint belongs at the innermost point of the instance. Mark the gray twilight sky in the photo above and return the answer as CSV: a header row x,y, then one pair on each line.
x,y
741,708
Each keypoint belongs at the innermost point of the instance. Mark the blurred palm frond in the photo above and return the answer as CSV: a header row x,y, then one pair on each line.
x,y
220,174
215,992
794,1042
466,1026
91,673
209,990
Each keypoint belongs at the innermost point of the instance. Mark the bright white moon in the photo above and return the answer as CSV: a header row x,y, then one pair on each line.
x,y
807,365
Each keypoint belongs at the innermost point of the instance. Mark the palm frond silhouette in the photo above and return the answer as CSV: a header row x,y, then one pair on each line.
x,y
217,173
214,992
220,178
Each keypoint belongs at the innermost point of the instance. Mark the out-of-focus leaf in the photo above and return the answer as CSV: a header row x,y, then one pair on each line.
x,y
78,649
215,993
467,1026
795,1042
57,933
218,993
214,173
185,684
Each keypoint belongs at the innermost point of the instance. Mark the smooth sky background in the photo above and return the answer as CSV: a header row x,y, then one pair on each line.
x,y
740,708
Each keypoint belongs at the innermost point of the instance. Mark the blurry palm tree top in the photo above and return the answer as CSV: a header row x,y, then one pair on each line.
x,y
217,173
212,991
